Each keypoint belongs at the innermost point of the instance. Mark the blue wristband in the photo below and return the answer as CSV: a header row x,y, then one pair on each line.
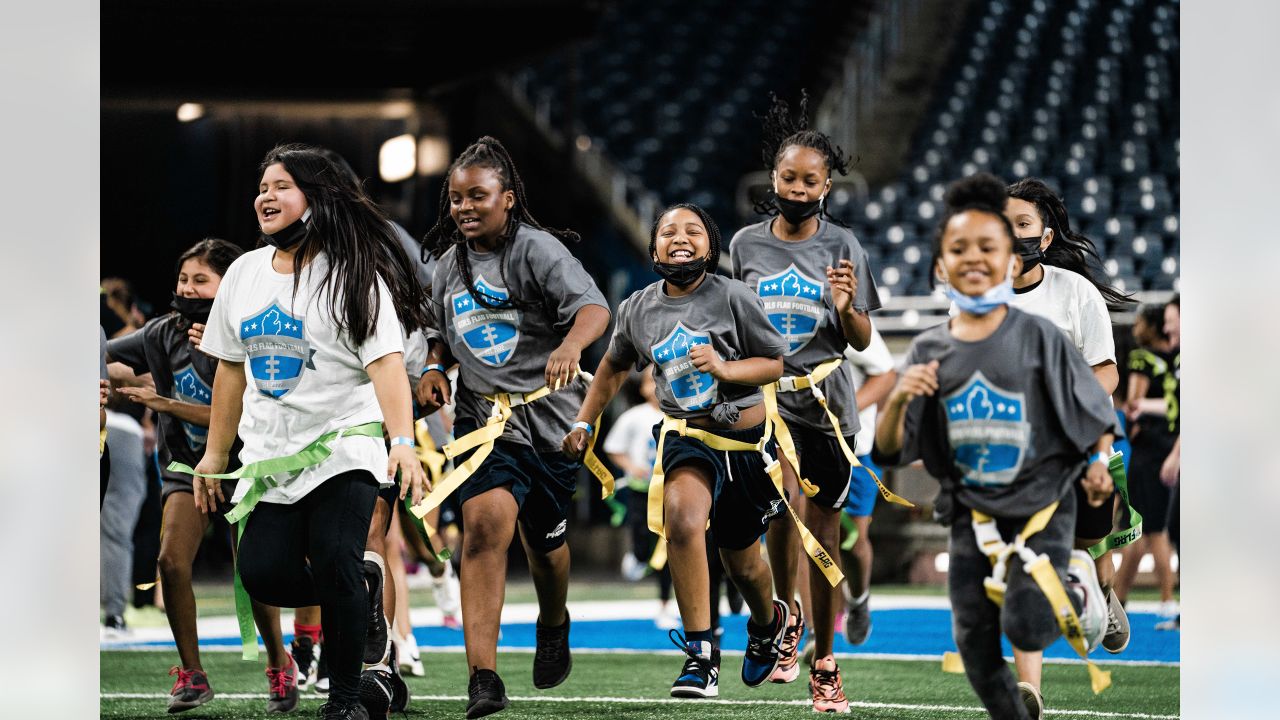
x,y
434,366
402,440
585,426
1101,457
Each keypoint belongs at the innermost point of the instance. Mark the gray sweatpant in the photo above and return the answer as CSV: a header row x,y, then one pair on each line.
x,y
126,491
1027,617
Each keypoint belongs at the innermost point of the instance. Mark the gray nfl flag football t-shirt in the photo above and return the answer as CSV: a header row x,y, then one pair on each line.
x,y
505,350
791,279
653,327
1014,420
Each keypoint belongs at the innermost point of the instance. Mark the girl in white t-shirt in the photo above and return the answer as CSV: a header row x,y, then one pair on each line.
x,y
308,333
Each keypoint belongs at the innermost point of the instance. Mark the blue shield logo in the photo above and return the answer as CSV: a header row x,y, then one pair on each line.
x,y
188,387
988,431
693,389
278,351
793,301
491,335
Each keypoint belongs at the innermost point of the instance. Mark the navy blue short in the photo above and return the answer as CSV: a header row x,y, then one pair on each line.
x,y
541,483
744,500
823,463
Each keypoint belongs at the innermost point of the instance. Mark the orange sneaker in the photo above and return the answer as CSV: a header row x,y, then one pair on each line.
x,y
789,650
826,688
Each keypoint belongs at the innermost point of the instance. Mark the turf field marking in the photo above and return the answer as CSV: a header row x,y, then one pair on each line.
x,y
678,701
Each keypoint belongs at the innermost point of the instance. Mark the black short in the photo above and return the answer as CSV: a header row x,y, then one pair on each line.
x,y
823,463
171,485
542,484
1150,497
744,499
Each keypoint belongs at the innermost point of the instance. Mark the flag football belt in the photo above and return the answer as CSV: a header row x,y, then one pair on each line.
x,y
483,438
1041,570
1126,535
810,382
681,427
262,473
433,461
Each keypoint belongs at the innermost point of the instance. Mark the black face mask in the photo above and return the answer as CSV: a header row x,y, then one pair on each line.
x,y
195,310
682,275
796,212
289,237
1030,252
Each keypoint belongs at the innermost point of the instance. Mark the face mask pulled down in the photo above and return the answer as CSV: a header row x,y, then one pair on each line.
x,y
993,298
290,236
682,275
194,310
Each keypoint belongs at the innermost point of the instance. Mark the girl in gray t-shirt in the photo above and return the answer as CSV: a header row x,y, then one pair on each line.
x,y
1005,412
711,347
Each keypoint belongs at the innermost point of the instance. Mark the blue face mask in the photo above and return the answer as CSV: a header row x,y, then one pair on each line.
x,y
1001,294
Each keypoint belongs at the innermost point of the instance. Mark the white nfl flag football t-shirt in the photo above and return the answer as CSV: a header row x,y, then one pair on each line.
x,y
1073,304
305,378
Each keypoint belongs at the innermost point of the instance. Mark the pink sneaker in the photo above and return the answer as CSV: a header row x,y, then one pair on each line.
x,y
282,683
826,687
789,650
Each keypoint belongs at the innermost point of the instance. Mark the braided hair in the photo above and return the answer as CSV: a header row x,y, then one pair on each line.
x,y
781,130
982,192
487,152
1069,250
713,233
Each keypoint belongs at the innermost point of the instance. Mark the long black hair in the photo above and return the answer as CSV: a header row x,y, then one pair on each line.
x,y
783,129
358,241
217,253
487,152
713,233
982,192
1069,250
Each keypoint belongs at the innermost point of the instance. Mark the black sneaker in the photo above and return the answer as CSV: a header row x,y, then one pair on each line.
x,y
486,694
857,621
322,673
700,676
376,692
552,661
763,646
303,650
335,710
376,638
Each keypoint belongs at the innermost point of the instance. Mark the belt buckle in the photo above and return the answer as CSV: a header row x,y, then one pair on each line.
x,y
787,384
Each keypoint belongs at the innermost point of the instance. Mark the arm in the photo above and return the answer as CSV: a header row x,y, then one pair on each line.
x,y
228,402
747,371
875,389
589,323
844,288
392,389
1137,390
608,379
1097,478
1171,469
916,381
623,461
188,412
1108,376
433,386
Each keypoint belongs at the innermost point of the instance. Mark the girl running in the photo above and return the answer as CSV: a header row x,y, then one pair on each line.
x,y
514,309
183,391
1005,412
308,333
712,347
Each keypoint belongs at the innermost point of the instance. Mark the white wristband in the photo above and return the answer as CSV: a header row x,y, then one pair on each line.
x,y
434,366
585,426
402,440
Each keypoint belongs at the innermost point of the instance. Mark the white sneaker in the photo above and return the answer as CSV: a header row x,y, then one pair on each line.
x,y
409,656
1082,577
448,595
1032,699
632,569
1168,609
666,619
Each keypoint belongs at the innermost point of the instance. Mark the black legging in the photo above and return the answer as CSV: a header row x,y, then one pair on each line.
x,y
329,527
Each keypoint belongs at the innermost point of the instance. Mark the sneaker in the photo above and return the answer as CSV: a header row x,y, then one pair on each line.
x,y
113,628
632,569
410,658
322,672
190,690
1167,609
485,694
551,660
1032,699
700,676
447,595
376,692
303,650
857,620
377,644
1082,577
335,710
789,650
764,645
1174,623
667,619
826,688
282,686
1116,638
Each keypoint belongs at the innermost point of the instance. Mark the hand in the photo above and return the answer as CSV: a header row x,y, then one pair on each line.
x,y
404,460
575,443
844,285
917,380
196,334
707,360
208,491
1171,468
562,365
432,391
146,396
1097,483
104,389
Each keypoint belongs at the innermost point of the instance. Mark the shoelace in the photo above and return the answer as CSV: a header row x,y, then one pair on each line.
x,y
485,684
550,645
695,662
827,682
758,647
278,681
334,710
790,639
185,678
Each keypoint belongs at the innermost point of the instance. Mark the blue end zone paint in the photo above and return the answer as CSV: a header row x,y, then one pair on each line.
x,y
899,632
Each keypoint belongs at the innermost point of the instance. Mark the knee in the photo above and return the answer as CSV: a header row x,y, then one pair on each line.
x,y
483,537
173,569
1029,625
684,528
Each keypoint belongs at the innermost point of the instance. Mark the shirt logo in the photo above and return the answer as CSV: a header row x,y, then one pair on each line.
x,y
693,389
793,302
188,387
988,432
277,348
490,335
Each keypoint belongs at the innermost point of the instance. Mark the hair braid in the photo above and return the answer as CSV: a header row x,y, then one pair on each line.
x,y
782,129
